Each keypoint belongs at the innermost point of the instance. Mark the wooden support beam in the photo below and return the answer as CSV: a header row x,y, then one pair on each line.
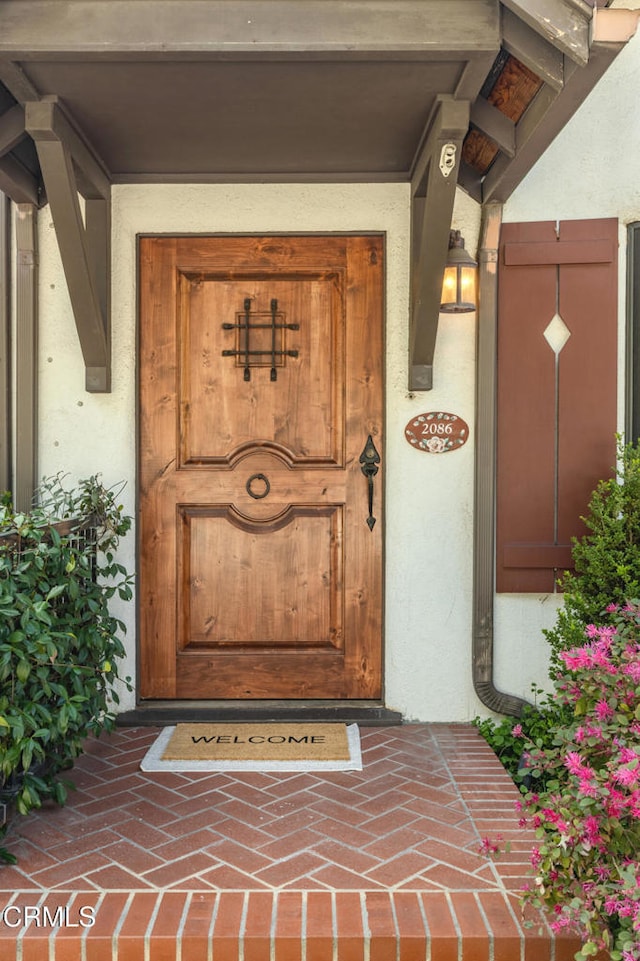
x,y
504,170
496,126
564,23
11,129
17,183
77,261
5,347
97,215
85,251
532,50
103,29
26,356
470,180
433,194
16,81
47,120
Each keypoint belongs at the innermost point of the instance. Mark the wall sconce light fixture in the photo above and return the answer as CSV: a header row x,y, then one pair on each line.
x,y
459,284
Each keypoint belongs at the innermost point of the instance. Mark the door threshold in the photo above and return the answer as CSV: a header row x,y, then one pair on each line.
x,y
163,713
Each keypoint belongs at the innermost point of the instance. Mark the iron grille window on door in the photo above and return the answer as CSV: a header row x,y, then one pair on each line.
x,y
247,326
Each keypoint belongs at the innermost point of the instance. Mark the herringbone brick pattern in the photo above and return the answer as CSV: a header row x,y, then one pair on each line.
x,y
384,861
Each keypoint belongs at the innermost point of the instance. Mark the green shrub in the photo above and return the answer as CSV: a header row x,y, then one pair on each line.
x,y
586,861
536,725
607,573
59,642
606,559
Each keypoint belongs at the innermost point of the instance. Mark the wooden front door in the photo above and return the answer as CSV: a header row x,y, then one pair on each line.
x,y
260,383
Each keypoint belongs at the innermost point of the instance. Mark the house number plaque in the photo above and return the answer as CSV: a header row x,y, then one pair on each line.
x,y
437,432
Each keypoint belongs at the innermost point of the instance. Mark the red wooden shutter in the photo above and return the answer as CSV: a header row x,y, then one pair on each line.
x,y
556,401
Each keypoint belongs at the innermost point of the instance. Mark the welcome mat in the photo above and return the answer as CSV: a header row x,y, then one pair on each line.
x,y
255,747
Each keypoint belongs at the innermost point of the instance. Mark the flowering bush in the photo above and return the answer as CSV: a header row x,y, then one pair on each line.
x,y
606,559
536,725
587,820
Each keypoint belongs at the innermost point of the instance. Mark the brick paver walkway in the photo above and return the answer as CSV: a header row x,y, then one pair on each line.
x,y
356,866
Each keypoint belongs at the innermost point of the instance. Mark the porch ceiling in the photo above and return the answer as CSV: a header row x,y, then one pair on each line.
x,y
281,90
96,92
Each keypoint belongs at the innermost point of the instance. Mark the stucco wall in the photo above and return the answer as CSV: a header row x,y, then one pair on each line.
x,y
429,498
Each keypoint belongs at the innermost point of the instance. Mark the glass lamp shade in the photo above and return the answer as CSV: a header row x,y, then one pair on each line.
x,y
459,282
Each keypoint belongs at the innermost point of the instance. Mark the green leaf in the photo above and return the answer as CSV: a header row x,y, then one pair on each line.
x,y
56,591
23,670
589,949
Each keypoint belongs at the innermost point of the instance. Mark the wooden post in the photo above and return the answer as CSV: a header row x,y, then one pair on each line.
x,y
26,356
5,347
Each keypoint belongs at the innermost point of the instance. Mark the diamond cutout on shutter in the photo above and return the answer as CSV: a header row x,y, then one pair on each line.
x,y
556,333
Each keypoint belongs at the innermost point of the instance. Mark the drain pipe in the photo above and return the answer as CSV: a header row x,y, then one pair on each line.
x,y
485,470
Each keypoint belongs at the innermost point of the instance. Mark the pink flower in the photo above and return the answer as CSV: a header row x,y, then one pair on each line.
x,y
592,827
604,712
632,671
516,730
612,904
573,762
587,788
489,847
626,776
593,730
615,803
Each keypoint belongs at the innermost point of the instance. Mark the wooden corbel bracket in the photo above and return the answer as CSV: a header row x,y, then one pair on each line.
x,y
433,189
71,167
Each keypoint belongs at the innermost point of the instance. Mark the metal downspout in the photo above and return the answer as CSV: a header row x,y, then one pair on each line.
x,y
485,470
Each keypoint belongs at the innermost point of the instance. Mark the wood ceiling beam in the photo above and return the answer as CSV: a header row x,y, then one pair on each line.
x,y
474,74
47,120
543,121
470,180
566,24
84,250
16,81
119,29
503,167
11,129
18,183
495,125
433,191
532,50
